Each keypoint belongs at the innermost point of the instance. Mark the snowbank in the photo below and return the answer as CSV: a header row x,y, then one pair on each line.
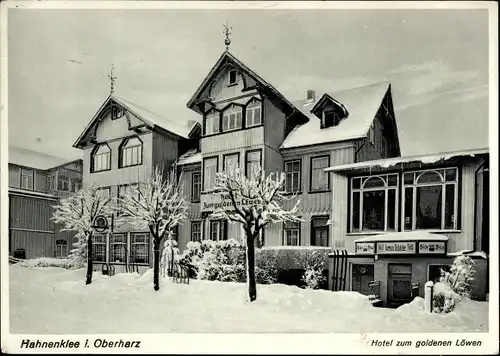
x,y
56,300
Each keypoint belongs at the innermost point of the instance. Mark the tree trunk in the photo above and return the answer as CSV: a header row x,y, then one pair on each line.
x,y
156,265
252,287
89,260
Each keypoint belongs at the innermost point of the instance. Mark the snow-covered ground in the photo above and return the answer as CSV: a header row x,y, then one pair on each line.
x,y
55,300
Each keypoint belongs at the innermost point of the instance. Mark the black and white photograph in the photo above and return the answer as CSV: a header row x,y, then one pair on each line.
x,y
249,177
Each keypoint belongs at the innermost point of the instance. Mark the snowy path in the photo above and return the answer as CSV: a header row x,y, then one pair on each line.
x,y
57,301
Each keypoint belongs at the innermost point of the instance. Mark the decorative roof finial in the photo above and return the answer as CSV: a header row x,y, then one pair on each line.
x,y
112,80
227,32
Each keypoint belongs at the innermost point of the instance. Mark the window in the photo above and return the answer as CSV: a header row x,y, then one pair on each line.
x,y
230,162
76,185
196,231
118,248
27,178
139,248
292,174
232,118
253,163
175,233
291,234
104,191
101,158
195,187
232,77
131,152
50,182
212,123
319,231
210,168
330,118
374,203
253,114
218,230
320,180
63,183
61,249
430,199
116,112
124,190
99,247
371,134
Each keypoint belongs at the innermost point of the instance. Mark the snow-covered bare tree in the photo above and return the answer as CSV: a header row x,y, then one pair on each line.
x,y
156,204
255,201
78,213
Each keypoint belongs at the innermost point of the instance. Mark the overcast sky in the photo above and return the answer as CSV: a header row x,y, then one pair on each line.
x,y
436,60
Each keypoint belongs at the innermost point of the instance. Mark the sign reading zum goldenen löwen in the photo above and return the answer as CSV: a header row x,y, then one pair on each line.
x,y
210,202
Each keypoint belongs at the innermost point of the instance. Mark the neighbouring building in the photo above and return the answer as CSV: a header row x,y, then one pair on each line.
x,y
404,219
121,145
36,183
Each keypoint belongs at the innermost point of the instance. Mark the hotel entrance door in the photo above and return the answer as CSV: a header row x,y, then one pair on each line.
x,y
399,284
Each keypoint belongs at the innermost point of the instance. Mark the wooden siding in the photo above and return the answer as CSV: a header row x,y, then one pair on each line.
x,y
117,176
229,141
274,124
220,90
365,151
340,206
165,151
108,129
273,160
36,244
31,213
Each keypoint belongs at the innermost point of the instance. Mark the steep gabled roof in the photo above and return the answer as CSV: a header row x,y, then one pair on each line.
x,y
228,57
362,104
149,118
34,159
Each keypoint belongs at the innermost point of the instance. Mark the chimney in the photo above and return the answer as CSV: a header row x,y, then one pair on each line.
x,y
311,95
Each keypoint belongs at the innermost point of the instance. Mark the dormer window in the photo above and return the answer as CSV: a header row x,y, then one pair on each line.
x,y
329,111
330,118
232,77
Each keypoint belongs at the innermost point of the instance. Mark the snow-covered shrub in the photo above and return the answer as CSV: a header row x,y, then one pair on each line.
x,y
222,261
266,266
50,262
444,298
79,252
313,262
453,286
461,274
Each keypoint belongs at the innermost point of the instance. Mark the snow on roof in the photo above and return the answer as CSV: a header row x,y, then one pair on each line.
x,y
33,159
31,192
389,162
404,236
362,103
470,253
154,119
191,156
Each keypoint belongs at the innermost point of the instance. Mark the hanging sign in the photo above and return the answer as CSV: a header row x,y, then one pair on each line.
x,y
438,247
396,247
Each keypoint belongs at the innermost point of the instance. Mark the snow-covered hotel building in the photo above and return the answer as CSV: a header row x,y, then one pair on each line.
x,y
244,119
